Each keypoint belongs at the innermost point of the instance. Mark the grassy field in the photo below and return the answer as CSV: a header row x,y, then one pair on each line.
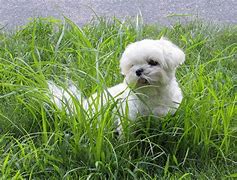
x,y
39,141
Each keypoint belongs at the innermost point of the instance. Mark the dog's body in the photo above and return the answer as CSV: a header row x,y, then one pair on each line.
x,y
149,87
158,102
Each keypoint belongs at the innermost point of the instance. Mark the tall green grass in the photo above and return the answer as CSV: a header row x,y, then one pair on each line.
x,y
40,141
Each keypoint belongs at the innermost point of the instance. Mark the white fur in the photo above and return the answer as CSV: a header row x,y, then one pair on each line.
x,y
155,91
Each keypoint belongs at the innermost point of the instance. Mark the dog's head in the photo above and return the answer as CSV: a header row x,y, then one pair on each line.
x,y
150,62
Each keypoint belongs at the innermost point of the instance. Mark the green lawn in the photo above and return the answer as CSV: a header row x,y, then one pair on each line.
x,y
38,141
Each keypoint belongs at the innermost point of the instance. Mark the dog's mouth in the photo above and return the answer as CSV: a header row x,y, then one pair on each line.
x,y
142,81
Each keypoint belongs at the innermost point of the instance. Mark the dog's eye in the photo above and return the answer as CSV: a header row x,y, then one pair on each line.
x,y
152,62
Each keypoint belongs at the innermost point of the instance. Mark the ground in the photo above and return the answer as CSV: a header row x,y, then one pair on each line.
x,y
40,141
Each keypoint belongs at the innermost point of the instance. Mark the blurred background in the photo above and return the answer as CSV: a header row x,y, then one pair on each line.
x,y
164,12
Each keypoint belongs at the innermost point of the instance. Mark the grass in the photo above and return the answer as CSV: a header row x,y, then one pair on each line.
x,y
39,141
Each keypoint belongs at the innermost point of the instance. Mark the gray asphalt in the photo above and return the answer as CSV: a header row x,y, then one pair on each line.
x,y
165,12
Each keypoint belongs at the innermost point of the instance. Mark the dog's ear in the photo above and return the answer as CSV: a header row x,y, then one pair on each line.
x,y
173,55
123,65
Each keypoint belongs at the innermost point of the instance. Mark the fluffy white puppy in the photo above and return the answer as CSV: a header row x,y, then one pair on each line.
x,y
149,87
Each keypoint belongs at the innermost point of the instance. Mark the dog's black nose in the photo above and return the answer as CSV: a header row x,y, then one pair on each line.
x,y
139,72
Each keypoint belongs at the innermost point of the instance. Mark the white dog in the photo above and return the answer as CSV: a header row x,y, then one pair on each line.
x,y
149,87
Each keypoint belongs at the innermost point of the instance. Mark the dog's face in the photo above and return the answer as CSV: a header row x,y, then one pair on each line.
x,y
150,62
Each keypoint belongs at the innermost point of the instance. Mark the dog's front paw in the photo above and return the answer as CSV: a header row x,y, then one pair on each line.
x,y
161,111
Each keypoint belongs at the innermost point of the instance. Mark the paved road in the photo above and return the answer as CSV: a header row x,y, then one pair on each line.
x,y
18,12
